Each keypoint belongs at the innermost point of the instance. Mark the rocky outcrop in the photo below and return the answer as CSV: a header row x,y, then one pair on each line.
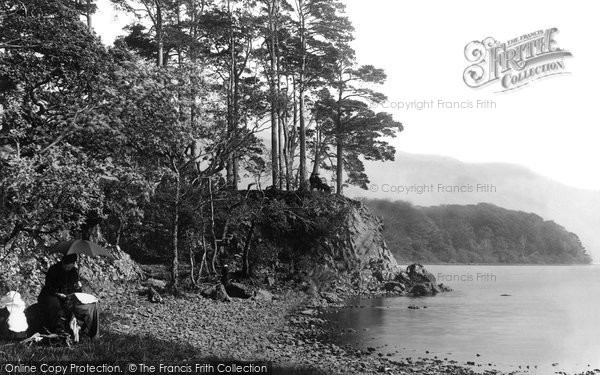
x,y
24,271
358,246
359,243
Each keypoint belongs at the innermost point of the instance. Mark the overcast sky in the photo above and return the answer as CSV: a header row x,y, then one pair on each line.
x,y
549,126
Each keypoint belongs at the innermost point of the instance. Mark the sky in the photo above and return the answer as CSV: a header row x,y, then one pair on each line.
x,y
549,126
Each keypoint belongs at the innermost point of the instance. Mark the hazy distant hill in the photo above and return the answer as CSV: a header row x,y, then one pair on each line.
x,y
482,233
517,188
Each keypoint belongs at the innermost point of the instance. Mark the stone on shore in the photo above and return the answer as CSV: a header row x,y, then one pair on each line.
x,y
331,298
263,295
159,285
237,290
216,292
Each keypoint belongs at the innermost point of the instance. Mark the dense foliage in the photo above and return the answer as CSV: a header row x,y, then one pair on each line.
x,y
144,143
481,233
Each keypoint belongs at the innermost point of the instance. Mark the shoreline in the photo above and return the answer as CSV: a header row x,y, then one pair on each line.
x,y
288,332
417,363
191,328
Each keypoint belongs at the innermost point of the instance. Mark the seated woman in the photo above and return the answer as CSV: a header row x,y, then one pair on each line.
x,y
13,323
58,303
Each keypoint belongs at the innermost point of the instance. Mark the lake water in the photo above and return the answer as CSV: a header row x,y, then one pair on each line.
x,y
552,316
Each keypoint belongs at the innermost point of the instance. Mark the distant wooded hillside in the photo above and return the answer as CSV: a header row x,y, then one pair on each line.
x,y
481,233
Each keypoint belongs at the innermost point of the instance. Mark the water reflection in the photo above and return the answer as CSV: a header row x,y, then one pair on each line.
x,y
535,316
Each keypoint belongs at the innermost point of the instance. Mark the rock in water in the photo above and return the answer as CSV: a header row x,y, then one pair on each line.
x,y
421,290
418,274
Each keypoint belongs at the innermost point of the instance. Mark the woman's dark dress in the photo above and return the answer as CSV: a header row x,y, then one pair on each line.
x,y
57,281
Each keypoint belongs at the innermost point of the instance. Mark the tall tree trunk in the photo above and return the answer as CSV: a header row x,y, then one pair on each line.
x,y
339,140
286,144
280,150
159,34
88,14
179,51
246,266
218,248
233,86
272,73
302,170
293,136
340,166
175,234
212,227
192,263
230,99
279,106
203,261
317,152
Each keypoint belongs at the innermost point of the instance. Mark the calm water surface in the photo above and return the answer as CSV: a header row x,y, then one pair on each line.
x,y
552,316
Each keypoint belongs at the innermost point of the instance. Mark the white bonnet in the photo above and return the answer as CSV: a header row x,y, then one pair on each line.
x,y
11,299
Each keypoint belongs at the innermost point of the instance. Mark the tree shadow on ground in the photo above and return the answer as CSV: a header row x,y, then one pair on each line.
x,y
118,348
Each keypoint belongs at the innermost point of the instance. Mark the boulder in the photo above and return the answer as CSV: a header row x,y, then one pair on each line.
x,y
238,290
418,274
403,277
263,295
154,296
160,285
423,289
308,312
444,288
216,292
331,298
24,270
394,286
